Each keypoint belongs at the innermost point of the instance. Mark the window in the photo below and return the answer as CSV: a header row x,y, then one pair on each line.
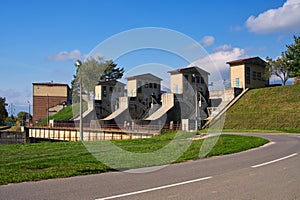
x,y
248,75
186,82
186,77
237,82
150,85
104,92
254,75
202,80
146,85
110,89
154,85
193,79
259,76
139,87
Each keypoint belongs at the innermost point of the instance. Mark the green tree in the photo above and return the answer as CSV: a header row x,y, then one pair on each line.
x,y
23,116
75,87
11,121
279,67
92,71
288,64
3,111
293,57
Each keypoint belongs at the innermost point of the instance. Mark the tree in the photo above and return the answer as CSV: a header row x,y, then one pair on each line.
x,y
288,64
75,87
92,71
23,116
279,68
293,57
3,111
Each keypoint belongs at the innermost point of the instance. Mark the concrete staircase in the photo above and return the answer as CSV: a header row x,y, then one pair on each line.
x,y
222,108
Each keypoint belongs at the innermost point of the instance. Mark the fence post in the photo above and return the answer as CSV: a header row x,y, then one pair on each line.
x,y
276,117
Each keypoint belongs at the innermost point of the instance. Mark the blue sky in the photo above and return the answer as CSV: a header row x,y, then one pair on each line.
x,y
40,40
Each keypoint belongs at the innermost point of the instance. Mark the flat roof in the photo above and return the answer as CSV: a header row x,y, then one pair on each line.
x,y
256,59
109,82
51,84
143,76
192,70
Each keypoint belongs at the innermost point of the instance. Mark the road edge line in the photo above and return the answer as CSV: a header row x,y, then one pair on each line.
x,y
156,188
273,161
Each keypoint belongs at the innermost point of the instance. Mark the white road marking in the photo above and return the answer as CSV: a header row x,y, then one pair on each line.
x,y
273,161
156,188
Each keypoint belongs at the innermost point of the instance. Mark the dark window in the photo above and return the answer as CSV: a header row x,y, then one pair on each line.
x,y
104,92
202,80
154,85
110,89
139,87
248,75
150,85
146,85
193,79
254,75
186,82
259,76
186,77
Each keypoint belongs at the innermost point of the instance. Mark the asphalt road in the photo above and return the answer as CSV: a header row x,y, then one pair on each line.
x,y
269,172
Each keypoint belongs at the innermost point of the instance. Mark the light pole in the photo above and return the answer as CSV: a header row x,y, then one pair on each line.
x,y
28,112
196,100
78,64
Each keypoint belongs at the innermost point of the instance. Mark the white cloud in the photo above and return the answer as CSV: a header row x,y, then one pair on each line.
x,y
215,63
223,48
220,56
282,19
65,56
207,41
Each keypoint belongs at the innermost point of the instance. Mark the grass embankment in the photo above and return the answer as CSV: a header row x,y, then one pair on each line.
x,y
65,114
274,108
32,162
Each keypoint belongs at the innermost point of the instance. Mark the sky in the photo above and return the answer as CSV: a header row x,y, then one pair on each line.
x,y
41,40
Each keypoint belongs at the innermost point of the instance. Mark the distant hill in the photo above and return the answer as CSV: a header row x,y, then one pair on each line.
x,y
275,108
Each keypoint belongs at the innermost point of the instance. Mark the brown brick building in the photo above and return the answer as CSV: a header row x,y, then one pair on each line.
x,y
48,95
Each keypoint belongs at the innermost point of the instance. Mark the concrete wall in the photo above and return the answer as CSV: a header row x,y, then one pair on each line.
x,y
257,79
237,71
176,83
131,88
114,90
98,92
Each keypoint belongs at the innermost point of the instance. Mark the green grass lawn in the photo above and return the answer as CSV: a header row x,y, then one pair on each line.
x,y
32,162
274,108
65,114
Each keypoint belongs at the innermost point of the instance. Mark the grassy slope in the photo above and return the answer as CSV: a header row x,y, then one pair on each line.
x,y
32,162
267,108
65,114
